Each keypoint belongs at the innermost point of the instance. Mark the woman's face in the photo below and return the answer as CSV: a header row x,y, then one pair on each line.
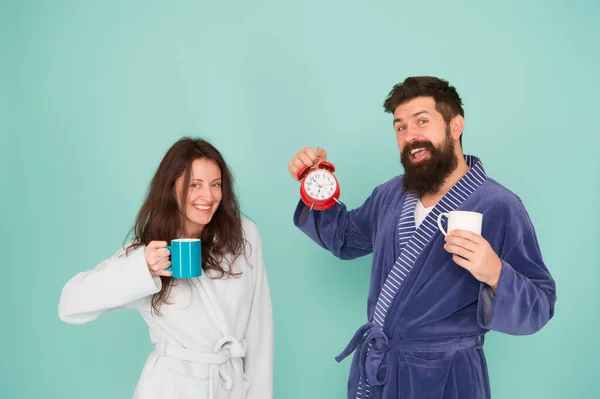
x,y
204,195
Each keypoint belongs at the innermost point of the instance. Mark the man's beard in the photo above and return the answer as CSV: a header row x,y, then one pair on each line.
x,y
428,176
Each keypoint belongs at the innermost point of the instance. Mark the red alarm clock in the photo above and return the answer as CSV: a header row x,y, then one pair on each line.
x,y
319,187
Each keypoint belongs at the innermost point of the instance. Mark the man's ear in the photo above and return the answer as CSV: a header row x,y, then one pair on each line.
x,y
457,124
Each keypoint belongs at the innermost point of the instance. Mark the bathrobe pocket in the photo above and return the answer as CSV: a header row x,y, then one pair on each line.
x,y
247,384
178,386
420,378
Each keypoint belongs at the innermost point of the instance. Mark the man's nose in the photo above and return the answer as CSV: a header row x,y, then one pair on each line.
x,y
411,134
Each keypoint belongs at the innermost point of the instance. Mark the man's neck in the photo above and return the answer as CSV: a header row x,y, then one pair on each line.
x,y
431,199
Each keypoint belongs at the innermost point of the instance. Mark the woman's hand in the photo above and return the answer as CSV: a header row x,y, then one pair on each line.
x,y
157,258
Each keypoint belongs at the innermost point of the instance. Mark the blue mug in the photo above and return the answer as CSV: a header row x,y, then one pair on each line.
x,y
186,257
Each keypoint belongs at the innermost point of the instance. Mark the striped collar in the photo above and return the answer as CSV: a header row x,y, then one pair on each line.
x,y
463,188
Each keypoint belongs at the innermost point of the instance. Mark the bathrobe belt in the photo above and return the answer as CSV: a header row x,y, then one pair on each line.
x,y
227,349
372,345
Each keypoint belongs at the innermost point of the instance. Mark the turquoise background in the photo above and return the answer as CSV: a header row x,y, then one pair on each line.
x,y
92,94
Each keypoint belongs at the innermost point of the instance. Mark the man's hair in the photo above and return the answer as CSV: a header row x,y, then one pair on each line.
x,y
447,100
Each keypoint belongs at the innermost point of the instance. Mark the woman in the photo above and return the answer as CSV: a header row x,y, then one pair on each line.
x,y
213,334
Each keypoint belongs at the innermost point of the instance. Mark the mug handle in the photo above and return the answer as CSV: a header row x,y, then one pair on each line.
x,y
169,269
439,222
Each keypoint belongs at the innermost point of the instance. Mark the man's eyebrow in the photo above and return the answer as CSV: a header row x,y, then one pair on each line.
x,y
413,115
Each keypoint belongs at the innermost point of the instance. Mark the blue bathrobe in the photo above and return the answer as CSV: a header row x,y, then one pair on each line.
x,y
427,316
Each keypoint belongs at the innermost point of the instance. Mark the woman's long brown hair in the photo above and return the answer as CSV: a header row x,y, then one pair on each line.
x,y
159,218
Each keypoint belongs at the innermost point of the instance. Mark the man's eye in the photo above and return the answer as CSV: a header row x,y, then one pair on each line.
x,y
422,121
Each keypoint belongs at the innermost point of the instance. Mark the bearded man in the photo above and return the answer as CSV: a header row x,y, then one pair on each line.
x,y
432,298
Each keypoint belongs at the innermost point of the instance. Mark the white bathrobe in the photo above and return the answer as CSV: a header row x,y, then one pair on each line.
x,y
214,337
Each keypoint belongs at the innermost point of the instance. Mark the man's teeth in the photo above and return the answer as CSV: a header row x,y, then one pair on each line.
x,y
414,151
202,207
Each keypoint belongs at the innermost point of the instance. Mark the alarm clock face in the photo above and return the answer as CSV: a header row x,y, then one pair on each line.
x,y
320,184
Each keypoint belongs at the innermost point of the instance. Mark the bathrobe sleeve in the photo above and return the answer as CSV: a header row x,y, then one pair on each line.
x,y
258,362
347,234
117,283
526,292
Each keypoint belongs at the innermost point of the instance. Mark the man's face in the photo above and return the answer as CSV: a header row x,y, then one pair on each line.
x,y
418,121
426,145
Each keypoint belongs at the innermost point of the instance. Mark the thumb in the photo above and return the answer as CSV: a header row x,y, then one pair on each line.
x,y
322,154
158,244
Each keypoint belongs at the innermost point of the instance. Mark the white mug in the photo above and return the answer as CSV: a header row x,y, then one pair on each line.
x,y
461,220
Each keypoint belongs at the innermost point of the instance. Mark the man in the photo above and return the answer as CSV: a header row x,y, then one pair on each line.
x,y
433,298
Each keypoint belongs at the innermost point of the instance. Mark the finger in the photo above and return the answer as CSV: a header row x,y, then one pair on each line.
x,y
298,163
456,250
294,167
160,262
462,242
160,265
162,252
165,273
464,263
469,235
158,244
312,154
306,159
151,260
322,154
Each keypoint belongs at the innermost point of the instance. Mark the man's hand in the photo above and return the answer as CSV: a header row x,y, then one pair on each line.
x,y
306,157
472,252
